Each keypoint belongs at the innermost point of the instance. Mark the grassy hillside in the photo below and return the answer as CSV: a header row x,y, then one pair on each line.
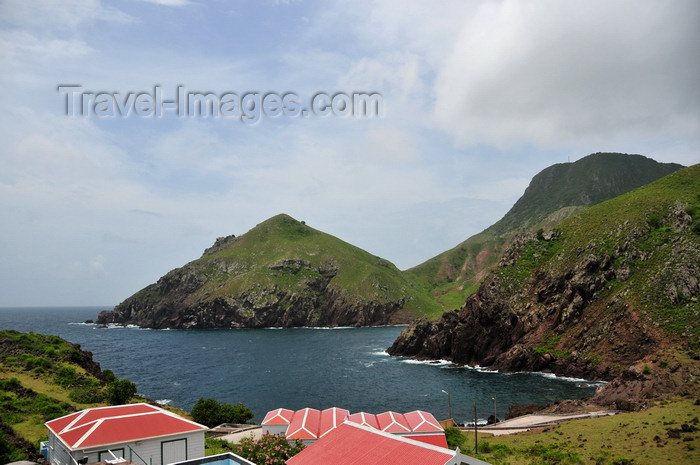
x,y
652,234
41,378
281,238
554,194
664,434
611,293
280,273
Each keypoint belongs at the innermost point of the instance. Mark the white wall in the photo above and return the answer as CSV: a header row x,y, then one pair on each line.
x,y
149,450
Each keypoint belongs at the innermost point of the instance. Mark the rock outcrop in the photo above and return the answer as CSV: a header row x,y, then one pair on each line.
x,y
282,273
613,285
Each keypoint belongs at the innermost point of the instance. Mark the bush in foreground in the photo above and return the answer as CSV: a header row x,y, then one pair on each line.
x,y
268,450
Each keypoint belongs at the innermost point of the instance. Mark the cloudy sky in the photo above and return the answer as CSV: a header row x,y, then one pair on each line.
x,y
477,97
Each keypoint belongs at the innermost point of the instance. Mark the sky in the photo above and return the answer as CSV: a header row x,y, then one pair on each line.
x,y
102,194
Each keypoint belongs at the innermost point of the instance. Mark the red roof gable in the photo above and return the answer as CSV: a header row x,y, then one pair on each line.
x,y
340,447
421,422
305,424
393,422
281,416
331,418
122,423
366,419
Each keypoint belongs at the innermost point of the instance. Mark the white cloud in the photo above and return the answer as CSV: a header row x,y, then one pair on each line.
x,y
553,73
48,15
171,3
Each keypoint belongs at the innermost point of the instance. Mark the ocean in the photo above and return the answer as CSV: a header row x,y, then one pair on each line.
x,y
265,369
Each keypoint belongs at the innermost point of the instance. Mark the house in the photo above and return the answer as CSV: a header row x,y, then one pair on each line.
x,y
139,433
340,447
309,424
277,421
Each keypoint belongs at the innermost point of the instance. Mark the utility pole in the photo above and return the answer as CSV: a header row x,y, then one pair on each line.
x,y
476,437
449,403
495,415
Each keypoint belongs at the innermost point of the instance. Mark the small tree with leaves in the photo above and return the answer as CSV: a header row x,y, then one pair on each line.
x,y
120,391
212,413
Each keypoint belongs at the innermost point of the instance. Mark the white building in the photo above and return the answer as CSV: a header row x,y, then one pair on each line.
x,y
139,433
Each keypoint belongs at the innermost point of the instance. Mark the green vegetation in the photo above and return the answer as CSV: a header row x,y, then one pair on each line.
x,y
272,450
120,391
667,433
43,377
282,262
211,413
554,194
454,437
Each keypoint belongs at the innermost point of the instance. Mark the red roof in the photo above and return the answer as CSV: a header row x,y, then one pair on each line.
x,y
281,416
118,424
311,424
305,424
330,419
366,419
340,447
420,421
392,422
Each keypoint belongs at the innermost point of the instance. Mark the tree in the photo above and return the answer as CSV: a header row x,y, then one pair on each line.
x,y
120,391
211,413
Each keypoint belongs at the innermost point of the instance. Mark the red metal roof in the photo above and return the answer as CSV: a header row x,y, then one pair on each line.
x,y
340,447
281,416
305,424
392,422
366,419
118,424
330,419
310,424
435,439
420,421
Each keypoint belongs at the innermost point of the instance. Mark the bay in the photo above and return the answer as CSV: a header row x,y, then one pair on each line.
x,y
265,369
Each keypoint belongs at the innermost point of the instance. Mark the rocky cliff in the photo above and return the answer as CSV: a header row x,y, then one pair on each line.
x,y
600,296
553,194
282,273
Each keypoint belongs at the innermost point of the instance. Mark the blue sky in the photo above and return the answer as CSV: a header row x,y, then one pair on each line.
x,y
477,97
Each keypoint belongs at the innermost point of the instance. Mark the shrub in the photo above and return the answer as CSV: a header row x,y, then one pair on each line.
x,y
268,450
66,376
109,376
9,384
120,391
211,413
455,437
86,395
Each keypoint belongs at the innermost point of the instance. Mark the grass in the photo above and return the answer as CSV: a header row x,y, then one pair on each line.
x,y
651,437
39,377
255,261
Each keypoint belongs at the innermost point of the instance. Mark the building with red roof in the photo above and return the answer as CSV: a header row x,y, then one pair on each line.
x,y
277,421
355,444
310,424
137,433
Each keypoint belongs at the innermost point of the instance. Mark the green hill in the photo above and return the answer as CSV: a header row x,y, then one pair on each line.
x,y
280,273
43,377
611,293
553,194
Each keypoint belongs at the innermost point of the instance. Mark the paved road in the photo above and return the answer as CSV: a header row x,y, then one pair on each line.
x,y
527,422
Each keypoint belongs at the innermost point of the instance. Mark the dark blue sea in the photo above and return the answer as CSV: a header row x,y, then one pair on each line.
x,y
266,369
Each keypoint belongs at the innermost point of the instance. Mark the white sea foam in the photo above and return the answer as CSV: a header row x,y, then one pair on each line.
x,y
163,401
436,363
